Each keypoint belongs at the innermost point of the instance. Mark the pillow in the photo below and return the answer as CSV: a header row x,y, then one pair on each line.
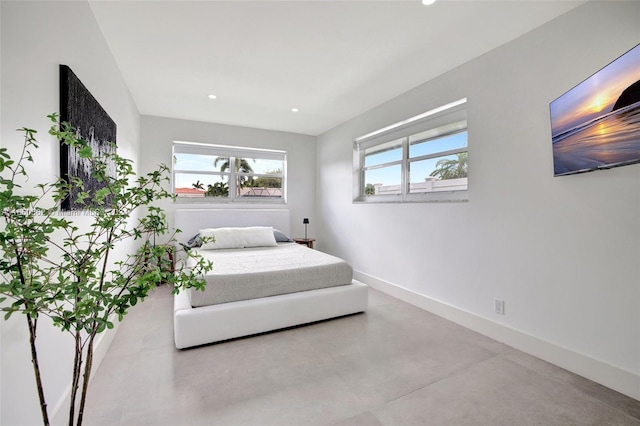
x,y
194,241
259,236
281,237
221,238
232,238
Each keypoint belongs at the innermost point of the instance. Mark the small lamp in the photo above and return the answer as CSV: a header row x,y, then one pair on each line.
x,y
306,222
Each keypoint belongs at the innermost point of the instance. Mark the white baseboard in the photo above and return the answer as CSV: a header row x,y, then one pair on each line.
x,y
610,376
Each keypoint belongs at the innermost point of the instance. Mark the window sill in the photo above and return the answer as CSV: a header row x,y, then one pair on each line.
x,y
212,200
441,197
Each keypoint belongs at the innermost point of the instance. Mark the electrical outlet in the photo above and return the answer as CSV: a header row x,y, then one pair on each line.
x,y
498,306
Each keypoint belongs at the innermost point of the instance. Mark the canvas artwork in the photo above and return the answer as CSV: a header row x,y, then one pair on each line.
x,y
81,110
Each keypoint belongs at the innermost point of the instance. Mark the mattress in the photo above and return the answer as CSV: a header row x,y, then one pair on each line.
x,y
251,273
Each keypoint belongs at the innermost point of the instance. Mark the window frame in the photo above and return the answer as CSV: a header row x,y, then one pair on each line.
x,y
452,115
233,153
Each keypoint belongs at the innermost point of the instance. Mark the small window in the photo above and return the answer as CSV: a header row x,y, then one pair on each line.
x,y
218,173
423,158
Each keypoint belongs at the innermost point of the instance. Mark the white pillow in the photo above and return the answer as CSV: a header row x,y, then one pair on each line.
x,y
232,238
259,236
221,238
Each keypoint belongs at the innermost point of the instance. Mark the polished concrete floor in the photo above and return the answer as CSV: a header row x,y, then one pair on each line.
x,y
394,365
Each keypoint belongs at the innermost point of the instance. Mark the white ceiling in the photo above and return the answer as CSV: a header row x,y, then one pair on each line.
x,y
334,60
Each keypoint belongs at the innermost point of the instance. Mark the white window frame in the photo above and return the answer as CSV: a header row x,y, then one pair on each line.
x,y
232,152
450,119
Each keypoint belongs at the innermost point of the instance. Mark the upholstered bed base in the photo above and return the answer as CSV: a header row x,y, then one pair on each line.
x,y
198,326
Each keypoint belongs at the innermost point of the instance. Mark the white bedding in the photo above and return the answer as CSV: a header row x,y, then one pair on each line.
x,y
214,323
251,273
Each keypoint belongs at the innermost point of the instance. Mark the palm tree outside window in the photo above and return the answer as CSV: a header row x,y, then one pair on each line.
x,y
451,168
242,168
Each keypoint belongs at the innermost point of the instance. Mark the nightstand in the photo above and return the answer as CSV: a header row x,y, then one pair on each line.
x,y
305,241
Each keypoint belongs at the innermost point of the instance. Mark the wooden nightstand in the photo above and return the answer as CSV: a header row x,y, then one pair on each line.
x,y
305,241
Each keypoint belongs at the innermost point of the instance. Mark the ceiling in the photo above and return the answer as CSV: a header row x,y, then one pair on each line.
x,y
333,60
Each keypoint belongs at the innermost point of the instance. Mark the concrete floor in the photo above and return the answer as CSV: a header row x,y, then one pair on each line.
x,y
394,365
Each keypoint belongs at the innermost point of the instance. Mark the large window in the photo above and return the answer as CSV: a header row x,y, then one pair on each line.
x,y
423,158
218,173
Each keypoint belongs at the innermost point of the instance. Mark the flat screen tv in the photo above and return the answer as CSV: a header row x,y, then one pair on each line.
x,y
596,124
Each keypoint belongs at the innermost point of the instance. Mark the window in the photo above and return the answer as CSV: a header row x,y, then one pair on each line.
x,y
423,158
218,173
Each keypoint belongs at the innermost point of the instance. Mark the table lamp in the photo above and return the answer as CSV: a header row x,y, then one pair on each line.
x,y
306,222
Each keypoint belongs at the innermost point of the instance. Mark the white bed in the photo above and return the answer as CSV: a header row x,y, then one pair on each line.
x,y
213,323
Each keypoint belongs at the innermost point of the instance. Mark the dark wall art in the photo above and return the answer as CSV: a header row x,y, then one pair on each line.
x,y
82,111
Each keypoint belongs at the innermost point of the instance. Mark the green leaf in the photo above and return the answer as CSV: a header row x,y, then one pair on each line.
x,y
85,152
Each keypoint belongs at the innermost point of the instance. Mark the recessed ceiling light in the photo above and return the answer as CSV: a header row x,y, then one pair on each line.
x,y
294,110
428,2
212,96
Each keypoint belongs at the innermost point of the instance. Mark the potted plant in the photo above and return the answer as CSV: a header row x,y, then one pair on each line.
x,y
52,267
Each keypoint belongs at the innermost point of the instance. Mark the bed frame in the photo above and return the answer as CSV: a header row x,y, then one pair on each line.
x,y
208,324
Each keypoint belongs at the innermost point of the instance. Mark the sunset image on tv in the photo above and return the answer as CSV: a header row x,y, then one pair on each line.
x,y
596,125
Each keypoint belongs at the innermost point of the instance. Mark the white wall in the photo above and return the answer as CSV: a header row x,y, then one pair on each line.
x,y
159,133
36,38
562,252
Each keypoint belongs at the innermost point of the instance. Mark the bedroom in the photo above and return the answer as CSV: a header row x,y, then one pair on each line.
x,y
562,252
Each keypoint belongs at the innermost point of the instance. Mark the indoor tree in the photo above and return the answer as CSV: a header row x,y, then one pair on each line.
x,y
51,267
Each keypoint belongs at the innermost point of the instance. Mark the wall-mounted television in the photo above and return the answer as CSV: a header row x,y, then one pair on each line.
x,y
596,124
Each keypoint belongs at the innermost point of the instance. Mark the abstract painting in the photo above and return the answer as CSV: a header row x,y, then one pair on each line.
x,y
82,111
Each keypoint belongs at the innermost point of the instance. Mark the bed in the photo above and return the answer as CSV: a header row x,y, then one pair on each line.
x,y
242,299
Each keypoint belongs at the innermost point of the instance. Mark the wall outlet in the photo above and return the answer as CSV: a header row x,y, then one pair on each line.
x,y
498,306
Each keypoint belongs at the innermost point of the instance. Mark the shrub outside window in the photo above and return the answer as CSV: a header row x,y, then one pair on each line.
x,y
218,173
423,158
